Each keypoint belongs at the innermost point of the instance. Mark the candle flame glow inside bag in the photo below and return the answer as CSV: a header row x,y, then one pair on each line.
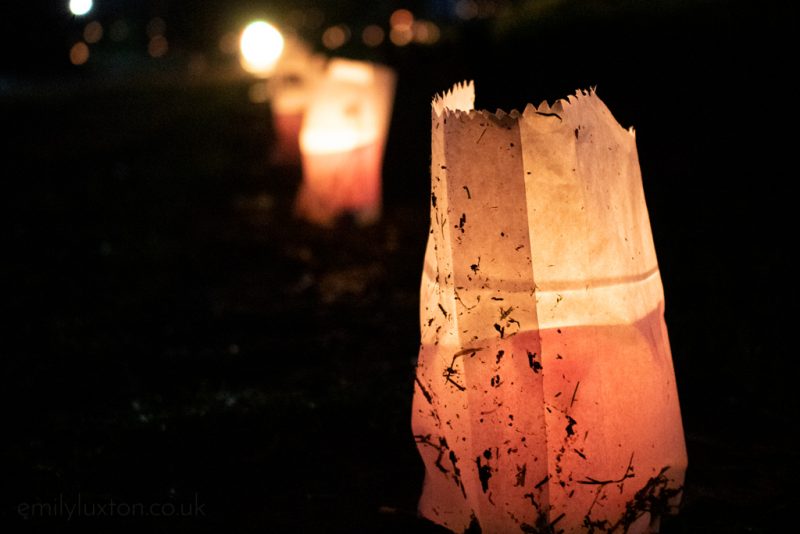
x,y
342,142
545,397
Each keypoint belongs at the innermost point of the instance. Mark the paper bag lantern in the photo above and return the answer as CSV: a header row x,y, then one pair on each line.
x,y
545,397
295,80
342,142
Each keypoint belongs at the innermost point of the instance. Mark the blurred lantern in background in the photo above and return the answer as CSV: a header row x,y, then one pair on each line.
x,y
261,45
296,76
342,141
546,398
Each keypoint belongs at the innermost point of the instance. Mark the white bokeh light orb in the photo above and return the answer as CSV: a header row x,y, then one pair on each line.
x,y
261,46
80,7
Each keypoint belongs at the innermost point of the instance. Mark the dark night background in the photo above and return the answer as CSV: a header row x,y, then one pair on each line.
x,y
172,334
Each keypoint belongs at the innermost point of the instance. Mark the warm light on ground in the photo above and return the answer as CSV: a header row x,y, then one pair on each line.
x,y
261,46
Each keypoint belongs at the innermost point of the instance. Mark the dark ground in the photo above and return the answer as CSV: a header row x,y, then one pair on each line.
x,y
173,334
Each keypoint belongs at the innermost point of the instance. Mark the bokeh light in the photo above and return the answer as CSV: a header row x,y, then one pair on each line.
x,y
80,7
158,46
426,32
336,36
261,46
466,9
79,53
93,32
373,35
401,35
401,22
401,18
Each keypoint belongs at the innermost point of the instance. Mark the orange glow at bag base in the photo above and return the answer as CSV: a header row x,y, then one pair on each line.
x,y
545,397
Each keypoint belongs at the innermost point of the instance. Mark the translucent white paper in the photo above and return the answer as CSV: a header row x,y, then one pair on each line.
x,y
545,397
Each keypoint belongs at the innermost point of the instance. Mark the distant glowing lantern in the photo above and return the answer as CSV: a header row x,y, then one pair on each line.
x,y
261,45
545,397
290,88
342,142
80,7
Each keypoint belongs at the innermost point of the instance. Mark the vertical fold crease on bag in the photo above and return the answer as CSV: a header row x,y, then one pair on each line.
x,y
545,396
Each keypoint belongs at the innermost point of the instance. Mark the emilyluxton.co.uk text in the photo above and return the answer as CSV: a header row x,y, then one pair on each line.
x,y
77,507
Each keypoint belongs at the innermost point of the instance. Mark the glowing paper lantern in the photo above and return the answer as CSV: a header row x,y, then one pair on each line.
x,y
545,396
342,142
296,77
